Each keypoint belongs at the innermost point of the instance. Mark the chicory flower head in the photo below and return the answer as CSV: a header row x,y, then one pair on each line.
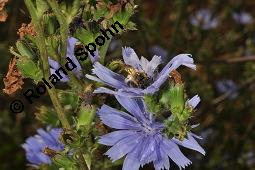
x,y
242,18
71,42
204,18
142,76
69,53
36,145
140,137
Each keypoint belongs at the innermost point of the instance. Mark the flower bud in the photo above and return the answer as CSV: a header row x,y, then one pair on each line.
x,y
29,69
25,50
174,99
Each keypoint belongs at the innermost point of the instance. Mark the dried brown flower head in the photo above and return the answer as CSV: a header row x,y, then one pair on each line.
x,y
13,79
26,29
3,14
176,76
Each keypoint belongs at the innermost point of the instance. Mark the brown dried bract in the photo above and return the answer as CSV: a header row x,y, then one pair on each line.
x,y
50,152
114,8
3,14
26,29
176,76
13,79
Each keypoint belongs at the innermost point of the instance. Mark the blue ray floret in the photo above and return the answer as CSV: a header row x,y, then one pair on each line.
x,y
140,138
35,145
119,83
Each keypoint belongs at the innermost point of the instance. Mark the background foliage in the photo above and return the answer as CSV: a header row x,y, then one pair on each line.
x,y
224,79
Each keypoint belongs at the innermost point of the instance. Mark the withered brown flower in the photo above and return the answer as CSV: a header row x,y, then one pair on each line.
x,y
13,79
26,29
3,14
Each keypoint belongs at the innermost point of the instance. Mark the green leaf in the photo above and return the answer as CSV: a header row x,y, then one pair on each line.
x,y
123,16
87,158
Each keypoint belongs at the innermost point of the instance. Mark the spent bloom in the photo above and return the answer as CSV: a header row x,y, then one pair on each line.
x,y
204,18
35,146
140,138
142,76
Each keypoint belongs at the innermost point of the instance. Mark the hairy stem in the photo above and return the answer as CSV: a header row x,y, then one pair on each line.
x,y
40,42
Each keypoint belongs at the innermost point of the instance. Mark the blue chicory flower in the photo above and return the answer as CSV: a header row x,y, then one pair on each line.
x,y
227,86
69,53
35,145
140,137
120,83
242,18
204,19
71,42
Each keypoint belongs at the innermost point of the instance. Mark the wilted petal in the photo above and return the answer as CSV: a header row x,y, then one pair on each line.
x,y
182,59
131,58
193,102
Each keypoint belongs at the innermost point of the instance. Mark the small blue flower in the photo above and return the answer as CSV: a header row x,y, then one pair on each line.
x,y
227,86
35,145
204,19
242,18
69,53
140,138
142,66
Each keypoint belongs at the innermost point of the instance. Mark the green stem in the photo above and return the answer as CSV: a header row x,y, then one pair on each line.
x,y
64,36
40,42
103,51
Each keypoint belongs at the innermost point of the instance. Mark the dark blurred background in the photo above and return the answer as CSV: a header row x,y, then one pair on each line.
x,y
221,37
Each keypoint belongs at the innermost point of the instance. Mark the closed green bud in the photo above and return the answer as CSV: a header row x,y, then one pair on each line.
x,y
25,50
52,43
86,115
29,69
47,116
124,15
51,23
63,161
41,7
152,105
174,99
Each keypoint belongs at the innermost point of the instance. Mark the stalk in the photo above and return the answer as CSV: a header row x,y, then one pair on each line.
x,y
40,42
